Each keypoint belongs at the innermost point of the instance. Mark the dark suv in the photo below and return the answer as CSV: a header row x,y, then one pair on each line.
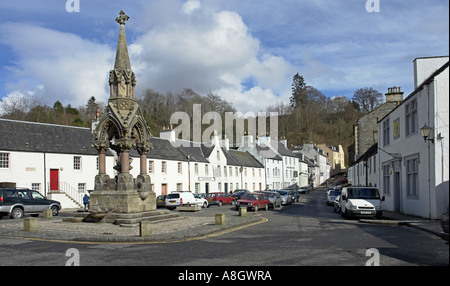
x,y
17,202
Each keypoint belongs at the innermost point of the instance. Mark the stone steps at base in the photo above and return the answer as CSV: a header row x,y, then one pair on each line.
x,y
136,224
153,218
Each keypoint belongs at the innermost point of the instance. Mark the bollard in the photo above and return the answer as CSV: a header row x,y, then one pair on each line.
x,y
31,224
47,214
243,211
145,228
220,219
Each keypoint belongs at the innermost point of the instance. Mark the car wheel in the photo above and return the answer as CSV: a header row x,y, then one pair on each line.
x,y
55,210
16,213
205,205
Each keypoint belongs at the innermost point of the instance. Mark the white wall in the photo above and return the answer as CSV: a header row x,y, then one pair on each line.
x,y
27,168
433,159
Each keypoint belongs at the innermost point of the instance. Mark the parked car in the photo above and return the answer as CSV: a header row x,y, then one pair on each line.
x,y
285,197
444,224
179,198
336,203
253,201
331,195
161,201
239,193
274,199
17,202
219,199
295,196
304,190
360,201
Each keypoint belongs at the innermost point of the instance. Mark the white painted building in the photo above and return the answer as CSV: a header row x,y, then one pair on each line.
x,y
59,162
317,157
55,160
413,173
364,172
214,167
281,165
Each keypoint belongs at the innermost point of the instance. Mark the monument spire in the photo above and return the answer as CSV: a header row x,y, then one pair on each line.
x,y
122,128
122,79
122,58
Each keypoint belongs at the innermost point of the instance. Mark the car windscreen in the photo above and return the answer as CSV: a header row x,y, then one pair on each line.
x,y
173,196
283,193
271,194
335,193
250,197
363,193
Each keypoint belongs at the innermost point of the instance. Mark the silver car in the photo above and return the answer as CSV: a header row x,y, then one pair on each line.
x,y
285,197
274,199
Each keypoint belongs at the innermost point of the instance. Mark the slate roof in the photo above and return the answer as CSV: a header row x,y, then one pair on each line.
x,y
50,138
266,152
245,159
40,137
162,149
194,152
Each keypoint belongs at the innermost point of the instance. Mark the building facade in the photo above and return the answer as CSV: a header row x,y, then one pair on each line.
x,y
414,172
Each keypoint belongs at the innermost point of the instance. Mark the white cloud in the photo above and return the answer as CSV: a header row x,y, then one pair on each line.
x,y
67,67
190,6
209,51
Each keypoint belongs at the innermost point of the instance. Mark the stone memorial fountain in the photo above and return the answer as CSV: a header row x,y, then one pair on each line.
x,y
122,127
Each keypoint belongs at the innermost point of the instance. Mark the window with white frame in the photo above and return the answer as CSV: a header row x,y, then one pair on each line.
x,y
77,162
412,176
180,168
4,160
386,176
81,188
411,117
151,166
163,167
179,187
197,188
36,186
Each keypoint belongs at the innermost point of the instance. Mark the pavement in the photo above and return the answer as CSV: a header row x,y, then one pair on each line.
x,y
190,226
396,219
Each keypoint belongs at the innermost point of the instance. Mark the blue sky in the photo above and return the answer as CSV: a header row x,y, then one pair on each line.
x,y
246,51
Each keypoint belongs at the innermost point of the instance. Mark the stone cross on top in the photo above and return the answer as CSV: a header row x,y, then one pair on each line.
x,y
123,17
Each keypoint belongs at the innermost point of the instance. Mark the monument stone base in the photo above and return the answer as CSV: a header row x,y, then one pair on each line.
x,y
122,194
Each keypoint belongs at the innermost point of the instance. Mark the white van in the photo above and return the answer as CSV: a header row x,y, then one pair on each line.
x,y
360,201
179,198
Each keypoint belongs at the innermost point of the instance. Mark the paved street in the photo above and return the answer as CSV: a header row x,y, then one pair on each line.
x,y
305,233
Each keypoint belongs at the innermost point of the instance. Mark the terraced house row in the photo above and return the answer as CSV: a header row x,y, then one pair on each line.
x,y
59,162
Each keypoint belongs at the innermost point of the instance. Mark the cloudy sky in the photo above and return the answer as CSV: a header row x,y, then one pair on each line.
x,y
246,51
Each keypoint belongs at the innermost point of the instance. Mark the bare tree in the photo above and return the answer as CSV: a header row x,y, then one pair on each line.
x,y
368,99
16,106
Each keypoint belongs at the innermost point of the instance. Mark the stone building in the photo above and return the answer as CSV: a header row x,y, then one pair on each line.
x,y
365,128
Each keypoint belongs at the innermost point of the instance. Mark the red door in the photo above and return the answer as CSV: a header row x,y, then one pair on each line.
x,y
164,189
54,179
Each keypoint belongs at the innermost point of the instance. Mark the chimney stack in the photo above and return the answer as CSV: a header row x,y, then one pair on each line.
x,y
394,94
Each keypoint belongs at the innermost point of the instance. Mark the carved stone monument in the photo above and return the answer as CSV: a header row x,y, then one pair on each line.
x,y
122,128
